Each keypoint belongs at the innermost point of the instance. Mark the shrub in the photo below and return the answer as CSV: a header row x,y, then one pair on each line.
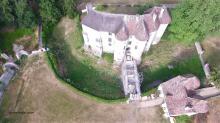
x,y
215,77
183,119
101,7
193,19
142,8
108,57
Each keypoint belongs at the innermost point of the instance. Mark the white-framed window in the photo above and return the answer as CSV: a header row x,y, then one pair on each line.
x,y
129,42
109,44
85,35
135,47
109,40
97,40
109,33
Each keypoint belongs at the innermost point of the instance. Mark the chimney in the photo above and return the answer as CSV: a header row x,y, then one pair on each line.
x,y
161,12
88,7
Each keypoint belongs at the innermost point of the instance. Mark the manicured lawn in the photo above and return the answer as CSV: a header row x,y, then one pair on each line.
x,y
8,38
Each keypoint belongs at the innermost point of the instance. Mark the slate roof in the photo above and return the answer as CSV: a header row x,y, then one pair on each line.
x,y
126,25
177,91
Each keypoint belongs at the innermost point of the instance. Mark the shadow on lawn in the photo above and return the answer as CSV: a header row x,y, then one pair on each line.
x,y
162,73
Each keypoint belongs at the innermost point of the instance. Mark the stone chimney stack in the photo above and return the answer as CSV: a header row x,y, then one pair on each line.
x,y
88,7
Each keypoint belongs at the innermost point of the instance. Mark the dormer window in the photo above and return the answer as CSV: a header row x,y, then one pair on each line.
x,y
154,17
135,47
161,13
97,40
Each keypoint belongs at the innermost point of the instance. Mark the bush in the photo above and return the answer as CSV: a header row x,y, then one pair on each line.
x,y
192,20
142,8
215,77
101,7
183,119
108,57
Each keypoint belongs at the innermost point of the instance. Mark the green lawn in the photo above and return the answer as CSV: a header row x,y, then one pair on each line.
x,y
8,38
162,55
184,119
163,73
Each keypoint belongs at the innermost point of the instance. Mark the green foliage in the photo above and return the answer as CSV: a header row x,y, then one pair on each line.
x,y
6,12
193,19
108,57
183,119
17,12
8,38
163,73
142,8
69,7
24,14
101,7
49,12
215,77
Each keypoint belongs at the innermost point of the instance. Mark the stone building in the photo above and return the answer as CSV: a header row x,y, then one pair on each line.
x,y
117,33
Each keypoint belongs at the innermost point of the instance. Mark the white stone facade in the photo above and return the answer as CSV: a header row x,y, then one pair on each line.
x,y
102,41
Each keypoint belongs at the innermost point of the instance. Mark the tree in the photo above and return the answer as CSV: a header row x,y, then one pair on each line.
x,y
49,12
6,12
70,8
24,14
193,19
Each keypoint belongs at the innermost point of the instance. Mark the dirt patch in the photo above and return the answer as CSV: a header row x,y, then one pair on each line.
x,y
29,42
211,46
214,110
52,101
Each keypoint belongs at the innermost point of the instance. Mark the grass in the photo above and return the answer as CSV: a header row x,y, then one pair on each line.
x,y
8,38
155,63
78,69
108,57
163,73
184,119
53,101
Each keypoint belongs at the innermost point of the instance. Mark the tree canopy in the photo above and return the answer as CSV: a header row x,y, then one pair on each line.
x,y
193,19
16,12
6,12
49,12
24,14
20,12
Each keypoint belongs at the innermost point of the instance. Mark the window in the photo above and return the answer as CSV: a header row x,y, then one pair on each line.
x,y
89,47
110,44
109,39
109,33
129,42
135,47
